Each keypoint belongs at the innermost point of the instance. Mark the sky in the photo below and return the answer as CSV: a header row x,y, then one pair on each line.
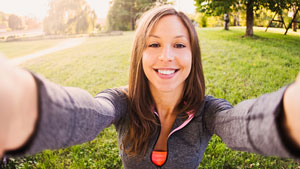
x,y
39,8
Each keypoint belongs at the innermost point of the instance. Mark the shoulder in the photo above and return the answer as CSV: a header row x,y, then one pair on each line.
x,y
117,97
114,94
212,104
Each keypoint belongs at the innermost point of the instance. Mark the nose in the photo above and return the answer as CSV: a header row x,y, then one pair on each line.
x,y
167,54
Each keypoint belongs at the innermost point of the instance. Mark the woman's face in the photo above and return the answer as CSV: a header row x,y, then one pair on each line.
x,y
167,57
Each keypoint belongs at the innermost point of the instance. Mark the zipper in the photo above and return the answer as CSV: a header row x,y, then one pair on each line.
x,y
155,144
191,116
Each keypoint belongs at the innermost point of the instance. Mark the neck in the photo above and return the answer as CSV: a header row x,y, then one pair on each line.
x,y
166,102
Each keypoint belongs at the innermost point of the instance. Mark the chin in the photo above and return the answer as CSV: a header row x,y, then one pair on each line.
x,y
167,88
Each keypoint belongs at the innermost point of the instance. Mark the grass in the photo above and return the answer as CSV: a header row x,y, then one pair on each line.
x,y
21,48
235,68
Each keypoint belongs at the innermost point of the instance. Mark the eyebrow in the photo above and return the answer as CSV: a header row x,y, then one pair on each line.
x,y
179,36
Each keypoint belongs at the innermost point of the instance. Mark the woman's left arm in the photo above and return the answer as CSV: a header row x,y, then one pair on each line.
x,y
291,106
267,125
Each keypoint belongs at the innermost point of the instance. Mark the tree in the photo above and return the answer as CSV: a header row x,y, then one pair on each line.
x,y
4,20
279,6
294,24
123,15
69,17
32,23
120,15
218,7
14,22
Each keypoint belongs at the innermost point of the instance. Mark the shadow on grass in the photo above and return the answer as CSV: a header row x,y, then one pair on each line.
x,y
271,39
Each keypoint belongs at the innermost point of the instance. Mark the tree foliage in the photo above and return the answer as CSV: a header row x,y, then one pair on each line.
x,y
279,5
215,7
69,17
32,23
4,20
14,22
219,7
123,14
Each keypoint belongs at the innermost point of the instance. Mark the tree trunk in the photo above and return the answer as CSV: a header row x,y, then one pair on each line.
x,y
132,23
238,18
132,15
294,24
250,18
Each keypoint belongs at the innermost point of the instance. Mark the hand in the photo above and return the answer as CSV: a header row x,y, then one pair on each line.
x,y
18,106
291,104
5,113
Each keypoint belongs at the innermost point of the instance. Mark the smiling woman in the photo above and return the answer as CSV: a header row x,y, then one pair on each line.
x,y
169,68
163,118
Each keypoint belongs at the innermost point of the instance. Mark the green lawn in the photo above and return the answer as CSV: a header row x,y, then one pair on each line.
x,y
21,48
235,68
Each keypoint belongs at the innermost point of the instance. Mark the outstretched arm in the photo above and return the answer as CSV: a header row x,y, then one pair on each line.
x,y
66,115
259,125
291,104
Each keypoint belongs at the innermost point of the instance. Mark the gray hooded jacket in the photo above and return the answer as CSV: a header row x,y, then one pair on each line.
x,y
69,116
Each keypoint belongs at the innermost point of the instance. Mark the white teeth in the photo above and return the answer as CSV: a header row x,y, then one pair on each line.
x,y
166,72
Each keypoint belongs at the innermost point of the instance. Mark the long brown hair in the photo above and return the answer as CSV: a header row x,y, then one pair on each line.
x,y
143,123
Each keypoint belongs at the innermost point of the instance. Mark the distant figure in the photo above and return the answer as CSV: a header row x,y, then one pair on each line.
x,y
226,21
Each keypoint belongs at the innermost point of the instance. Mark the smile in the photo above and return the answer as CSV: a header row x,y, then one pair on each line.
x,y
166,73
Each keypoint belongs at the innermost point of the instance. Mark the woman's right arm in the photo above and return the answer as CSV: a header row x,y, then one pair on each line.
x,y
66,115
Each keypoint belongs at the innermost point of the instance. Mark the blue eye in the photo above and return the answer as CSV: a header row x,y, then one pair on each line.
x,y
154,45
179,45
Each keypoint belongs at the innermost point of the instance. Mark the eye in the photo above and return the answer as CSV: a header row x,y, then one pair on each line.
x,y
179,45
154,45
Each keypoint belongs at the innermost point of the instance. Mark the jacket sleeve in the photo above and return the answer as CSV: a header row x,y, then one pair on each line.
x,y
69,116
252,125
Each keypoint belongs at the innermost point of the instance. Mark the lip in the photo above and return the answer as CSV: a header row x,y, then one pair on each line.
x,y
166,76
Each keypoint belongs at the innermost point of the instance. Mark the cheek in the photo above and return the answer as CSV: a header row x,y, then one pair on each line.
x,y
186,62
146,62
148,59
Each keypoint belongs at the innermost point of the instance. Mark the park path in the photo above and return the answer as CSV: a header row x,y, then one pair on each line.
x,y
69,43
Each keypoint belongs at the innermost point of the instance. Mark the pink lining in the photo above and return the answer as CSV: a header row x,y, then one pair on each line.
x,y
191,116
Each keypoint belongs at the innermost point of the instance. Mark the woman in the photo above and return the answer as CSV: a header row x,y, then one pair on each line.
x,y
163,119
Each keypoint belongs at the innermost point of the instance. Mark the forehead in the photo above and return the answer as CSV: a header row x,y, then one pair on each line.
x,y
169,26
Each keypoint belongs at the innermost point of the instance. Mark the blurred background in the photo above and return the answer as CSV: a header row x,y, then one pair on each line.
x,y
87,44
65,17
68,17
